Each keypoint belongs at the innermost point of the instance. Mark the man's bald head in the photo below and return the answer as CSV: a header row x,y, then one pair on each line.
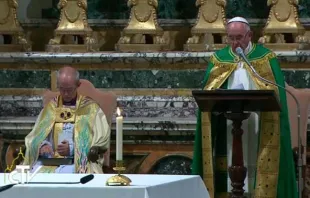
x,y
68,74
68,82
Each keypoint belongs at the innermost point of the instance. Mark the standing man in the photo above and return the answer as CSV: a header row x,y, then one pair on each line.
x,y
267,142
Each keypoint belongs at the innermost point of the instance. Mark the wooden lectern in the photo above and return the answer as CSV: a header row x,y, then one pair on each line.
x,y
236,106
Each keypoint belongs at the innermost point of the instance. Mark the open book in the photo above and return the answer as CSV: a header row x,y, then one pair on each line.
x,y
66,134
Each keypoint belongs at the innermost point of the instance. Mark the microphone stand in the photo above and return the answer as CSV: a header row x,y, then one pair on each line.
x,y
299,163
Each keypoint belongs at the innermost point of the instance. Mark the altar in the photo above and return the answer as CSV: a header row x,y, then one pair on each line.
x,y
142,186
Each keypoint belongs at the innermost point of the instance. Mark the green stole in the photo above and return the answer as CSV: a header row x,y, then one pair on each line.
x,y
275,172
84,116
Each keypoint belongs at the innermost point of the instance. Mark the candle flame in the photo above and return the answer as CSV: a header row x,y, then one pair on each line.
x,y
118,111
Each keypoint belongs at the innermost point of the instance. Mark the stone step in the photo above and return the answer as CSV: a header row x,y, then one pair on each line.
x,y
132,106
145,116
148,130
136,130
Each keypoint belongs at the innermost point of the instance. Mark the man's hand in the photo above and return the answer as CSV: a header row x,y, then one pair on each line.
x,y
46,150
63,149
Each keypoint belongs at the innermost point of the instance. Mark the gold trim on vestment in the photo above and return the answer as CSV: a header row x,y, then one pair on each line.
x,y
65,114
268,160
208,175
79,136
218,75
221,163
222,195
269,147
32,158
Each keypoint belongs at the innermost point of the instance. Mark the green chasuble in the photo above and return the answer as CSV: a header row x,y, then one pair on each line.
x,y
275,171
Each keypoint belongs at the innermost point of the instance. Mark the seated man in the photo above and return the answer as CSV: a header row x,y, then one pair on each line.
x,y
67,128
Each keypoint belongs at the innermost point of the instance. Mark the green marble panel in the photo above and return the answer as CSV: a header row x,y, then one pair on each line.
x,y
261,10
304,8
107,9
239,8
170,79
176,9
118,9
132,79
24,79
297,79
97,9
51,13
144,79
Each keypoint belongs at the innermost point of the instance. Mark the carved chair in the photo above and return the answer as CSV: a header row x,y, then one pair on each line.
x,y
303,96
106,101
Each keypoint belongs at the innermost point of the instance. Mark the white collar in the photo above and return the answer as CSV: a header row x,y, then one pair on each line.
x,y
248,48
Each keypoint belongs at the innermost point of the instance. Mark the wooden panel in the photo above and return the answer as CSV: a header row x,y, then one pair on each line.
x,y
139,158
154,153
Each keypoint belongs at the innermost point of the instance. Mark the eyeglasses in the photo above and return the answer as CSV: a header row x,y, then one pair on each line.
x,y
237,38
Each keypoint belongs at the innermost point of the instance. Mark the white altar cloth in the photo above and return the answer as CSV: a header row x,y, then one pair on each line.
x,y
142,186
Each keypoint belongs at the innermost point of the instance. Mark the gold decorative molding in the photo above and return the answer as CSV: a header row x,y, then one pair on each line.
x,y
282,25
108,66
9,26
209,32
21,91
119,92
143,32
73,33
176,32
293,65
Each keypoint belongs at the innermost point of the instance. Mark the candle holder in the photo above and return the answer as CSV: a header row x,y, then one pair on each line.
x,y
119,179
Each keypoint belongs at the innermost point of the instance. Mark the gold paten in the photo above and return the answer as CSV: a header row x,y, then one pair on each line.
x,y
9,25
72,24
283,20
210,23
142,32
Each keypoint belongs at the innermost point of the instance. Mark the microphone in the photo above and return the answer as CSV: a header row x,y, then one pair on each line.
x,y
240,52
83,180
6,187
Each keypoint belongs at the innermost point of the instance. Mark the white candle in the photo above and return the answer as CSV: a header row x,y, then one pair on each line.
x,y
119,135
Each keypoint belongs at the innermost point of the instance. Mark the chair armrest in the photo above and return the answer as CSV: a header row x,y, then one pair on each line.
x,y
95,152
18,154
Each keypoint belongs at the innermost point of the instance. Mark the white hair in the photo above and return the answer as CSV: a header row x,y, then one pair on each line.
x,y
247,27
